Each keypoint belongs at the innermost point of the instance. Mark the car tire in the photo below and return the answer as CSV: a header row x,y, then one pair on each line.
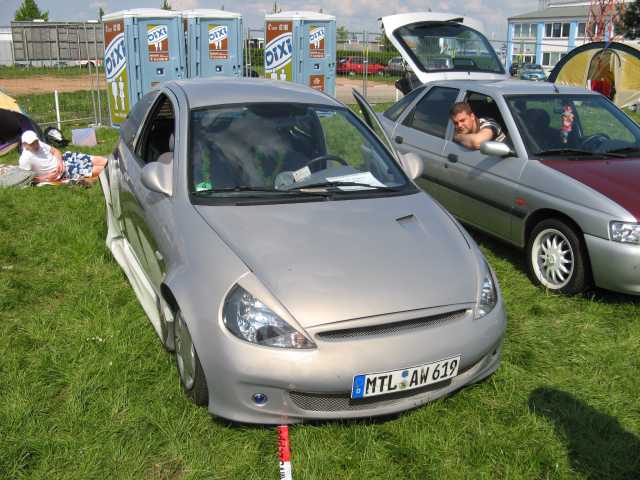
x,y
556,257
188,364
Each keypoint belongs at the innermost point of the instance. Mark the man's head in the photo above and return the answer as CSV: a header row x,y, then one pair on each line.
x,y
30,141
463,118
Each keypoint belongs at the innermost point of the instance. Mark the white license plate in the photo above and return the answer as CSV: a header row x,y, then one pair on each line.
x,y
372,384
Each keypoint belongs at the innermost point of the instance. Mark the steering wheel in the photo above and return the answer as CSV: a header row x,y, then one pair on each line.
x,y
326,158
596,139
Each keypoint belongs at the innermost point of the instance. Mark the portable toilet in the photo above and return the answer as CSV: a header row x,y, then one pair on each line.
x,y
301,47
143,48
214,43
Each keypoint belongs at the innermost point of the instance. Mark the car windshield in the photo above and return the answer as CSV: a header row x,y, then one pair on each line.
x,y
438,46
573,126
284,149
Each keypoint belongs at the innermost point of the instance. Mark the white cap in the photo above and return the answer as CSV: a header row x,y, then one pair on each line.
x,y
29,136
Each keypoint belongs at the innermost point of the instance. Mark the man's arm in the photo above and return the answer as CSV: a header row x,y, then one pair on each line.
x,y
474,140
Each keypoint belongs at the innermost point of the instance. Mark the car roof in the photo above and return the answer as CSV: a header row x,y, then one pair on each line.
x,y
205,92
510,87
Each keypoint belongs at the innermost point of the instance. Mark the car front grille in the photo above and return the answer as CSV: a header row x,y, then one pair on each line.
x,y
392,328
342,402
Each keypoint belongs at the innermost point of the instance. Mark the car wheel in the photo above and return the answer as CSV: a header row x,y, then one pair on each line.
x,y
190,370
556,257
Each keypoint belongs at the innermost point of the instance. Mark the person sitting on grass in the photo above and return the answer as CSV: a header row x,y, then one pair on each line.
x,y
49,165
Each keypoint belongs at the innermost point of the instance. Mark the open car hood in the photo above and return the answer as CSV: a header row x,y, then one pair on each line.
x,y
443,65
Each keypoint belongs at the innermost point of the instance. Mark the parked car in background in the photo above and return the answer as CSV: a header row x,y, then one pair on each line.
x,y
298,272
514,69
532,71
563,186
396,65
356,65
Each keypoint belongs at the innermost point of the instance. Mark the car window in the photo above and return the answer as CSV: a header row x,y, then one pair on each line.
x,y
131,126
484,106
290,145
394,112
589,123
158,133
431,114
441,46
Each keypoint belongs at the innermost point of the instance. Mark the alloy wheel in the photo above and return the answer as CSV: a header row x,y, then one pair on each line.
x,y
552,258
185,353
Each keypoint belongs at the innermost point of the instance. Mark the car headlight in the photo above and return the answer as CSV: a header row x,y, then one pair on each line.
x,y
625,232
487,293
251,320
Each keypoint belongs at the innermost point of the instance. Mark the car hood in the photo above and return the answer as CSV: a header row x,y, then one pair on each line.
x,y
617,179
330,261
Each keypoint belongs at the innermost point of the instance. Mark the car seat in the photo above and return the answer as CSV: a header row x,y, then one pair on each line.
x,y
540,131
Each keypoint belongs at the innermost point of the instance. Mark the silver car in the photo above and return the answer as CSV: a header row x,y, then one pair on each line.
x,y
281,249
567,194
564,185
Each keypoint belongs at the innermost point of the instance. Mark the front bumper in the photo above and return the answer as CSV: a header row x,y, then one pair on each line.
x,y
316,384
615,266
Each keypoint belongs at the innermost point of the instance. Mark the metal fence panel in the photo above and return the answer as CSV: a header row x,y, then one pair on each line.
x,y
49,43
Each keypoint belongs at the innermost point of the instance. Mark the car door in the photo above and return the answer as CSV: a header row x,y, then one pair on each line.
x,y
422,130
146,211
483,188
123,157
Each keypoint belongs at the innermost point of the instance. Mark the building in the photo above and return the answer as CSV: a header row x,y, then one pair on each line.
x,y
546,35
6,47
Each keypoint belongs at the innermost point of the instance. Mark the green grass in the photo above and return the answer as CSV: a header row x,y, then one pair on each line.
x,y
75,107
87,391
31,72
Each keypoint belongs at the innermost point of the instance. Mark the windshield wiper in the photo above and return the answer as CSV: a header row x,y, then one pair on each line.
x,y
245,188
624,150
576,151
335,186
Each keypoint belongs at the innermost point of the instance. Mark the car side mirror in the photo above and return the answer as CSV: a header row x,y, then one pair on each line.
x,y
496,149
412,165
157,177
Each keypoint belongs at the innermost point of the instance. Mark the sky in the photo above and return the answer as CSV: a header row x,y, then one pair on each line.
x,y
353,14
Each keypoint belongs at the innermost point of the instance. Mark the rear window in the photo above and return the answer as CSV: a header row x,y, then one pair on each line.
x,y
448,46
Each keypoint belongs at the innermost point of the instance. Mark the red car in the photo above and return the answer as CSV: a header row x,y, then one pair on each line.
x,y
353,65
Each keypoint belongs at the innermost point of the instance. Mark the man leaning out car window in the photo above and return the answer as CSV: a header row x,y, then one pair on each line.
x,y
472,131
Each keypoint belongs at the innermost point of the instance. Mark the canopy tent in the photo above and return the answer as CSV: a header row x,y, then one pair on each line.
x,y
12,123
610,68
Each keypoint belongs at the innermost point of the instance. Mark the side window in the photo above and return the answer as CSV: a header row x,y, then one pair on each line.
x,y
131,126
158,134
484,106
394,112
431,114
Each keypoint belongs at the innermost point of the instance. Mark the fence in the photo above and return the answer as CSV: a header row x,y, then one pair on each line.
x,y
365,60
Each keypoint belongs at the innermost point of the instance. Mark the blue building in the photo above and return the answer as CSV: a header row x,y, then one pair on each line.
x,y
546,35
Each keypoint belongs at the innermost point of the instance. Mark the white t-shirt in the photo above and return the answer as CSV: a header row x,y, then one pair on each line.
x,y
42,163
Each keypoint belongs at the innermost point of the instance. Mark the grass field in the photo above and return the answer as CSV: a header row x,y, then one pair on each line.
x,y
87,391
31,72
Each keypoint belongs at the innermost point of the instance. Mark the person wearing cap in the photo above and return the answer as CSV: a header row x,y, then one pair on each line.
x,y
49,165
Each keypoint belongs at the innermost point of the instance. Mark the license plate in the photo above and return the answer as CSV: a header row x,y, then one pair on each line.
x,y
373,384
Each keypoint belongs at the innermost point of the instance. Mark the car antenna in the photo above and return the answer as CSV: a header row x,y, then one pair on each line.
x,y
555,88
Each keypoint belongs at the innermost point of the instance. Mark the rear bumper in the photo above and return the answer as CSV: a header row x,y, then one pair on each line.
x,y
615,266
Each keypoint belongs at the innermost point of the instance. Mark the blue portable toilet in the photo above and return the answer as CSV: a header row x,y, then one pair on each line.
x,y
301,47
214,43
143,48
